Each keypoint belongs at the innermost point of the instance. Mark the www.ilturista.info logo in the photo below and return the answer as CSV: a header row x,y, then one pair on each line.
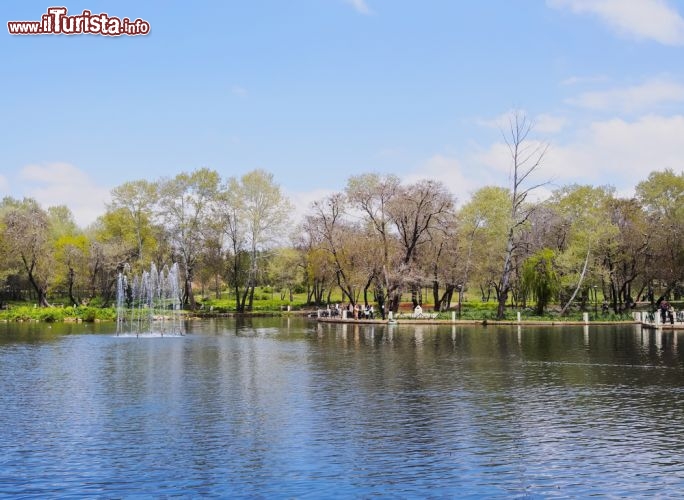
x,y
56,22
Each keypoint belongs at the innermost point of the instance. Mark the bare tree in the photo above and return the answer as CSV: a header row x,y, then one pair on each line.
x,y
526,156
372,194
417,210
329,229
26,236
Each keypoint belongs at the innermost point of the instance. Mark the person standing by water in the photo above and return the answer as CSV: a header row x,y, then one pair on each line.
x,y
666,312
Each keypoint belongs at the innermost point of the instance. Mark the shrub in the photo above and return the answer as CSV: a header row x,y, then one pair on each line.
x,y
51,314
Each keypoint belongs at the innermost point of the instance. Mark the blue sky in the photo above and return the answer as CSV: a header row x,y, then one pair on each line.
x,y
315,91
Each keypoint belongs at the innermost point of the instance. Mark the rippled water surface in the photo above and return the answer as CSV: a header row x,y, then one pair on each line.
x,y
288,408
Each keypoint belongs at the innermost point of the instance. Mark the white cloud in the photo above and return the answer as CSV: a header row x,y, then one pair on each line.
x,y
612,152
496,164
581,80
548,124
360,6
615,152
302,201
620,153
641,19
652,93
500,122
544,123
54,184
461,181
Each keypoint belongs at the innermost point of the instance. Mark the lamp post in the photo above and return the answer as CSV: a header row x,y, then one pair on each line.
x,y
460,295
595,301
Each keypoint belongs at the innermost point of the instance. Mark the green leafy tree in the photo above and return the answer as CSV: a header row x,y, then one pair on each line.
x,y
71,257
186,202
71,247
265,214
540,279
483,222
662,197
583,233
285,271
254,214
135,201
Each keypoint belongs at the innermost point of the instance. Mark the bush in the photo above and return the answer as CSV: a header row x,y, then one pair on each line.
x,y
20,313
88,314
54,314
51,314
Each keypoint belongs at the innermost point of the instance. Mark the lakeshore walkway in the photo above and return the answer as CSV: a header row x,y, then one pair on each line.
x,y
646,320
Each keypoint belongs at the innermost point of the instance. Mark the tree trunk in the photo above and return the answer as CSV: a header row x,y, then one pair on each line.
x,y
250,305
318,292
435,295
41,290
189,296
237,296
243,301
365,290
579,284
309,294
505,278
414,297
73,300
445,300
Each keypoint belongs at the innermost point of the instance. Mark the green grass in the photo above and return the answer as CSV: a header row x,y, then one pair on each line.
x,y
263,302
55,314
481,311
266,302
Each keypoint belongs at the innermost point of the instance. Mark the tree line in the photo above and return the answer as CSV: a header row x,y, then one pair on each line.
x,y
376,240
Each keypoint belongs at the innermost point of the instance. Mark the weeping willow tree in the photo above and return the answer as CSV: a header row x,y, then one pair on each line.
x,y
539,278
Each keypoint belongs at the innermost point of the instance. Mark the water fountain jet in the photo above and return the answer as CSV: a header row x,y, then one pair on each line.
x,y
149,304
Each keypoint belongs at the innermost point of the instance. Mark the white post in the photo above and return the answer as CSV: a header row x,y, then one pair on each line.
x,y
518,316
585,317
344,314
657,318
453,315
390,315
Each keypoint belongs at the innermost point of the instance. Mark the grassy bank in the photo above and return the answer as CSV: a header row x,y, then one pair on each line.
x,y
267,305
57,314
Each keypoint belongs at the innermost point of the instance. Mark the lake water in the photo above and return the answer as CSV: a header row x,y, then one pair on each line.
x,y
273,408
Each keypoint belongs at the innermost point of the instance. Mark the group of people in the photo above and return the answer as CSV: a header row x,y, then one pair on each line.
x,y
355,311
666,312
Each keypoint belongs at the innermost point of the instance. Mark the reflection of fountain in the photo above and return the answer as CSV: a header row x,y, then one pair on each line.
x,y
150,303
